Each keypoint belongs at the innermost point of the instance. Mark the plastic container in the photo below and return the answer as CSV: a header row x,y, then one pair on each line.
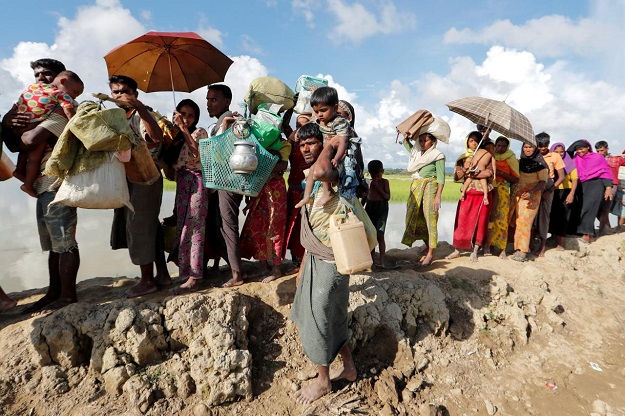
x,y
308,83
349,244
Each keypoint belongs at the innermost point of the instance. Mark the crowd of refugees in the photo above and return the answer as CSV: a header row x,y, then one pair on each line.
x,y
513,201
553,190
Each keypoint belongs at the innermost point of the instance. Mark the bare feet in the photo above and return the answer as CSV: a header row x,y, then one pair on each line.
x,y
486,200
473,256
18,175
54,306
305,200
343,373
427,260
293,270
502,255
455,254
559,248
40,304
29,190
233,282
190,285
308,394
163,280
7,305
141,288
274,274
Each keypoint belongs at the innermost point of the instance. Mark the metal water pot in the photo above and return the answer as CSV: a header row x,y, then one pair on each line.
x,y
243,159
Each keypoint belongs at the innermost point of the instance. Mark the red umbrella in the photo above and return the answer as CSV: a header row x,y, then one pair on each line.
x,y
169,61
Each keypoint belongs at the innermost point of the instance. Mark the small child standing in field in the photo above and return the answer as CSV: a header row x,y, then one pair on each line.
x,y
336,132
38,102
377,205
478,163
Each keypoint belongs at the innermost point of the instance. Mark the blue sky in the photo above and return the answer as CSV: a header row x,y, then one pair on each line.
x,y
559,62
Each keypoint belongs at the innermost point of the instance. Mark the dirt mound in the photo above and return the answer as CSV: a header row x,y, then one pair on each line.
x,y
459,337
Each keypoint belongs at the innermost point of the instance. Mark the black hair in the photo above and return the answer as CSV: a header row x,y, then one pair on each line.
x,y
486,143
481,127
502,139
124,80
194,106
324,95
310,130
48,63
375,166
225,90
476,135
72,76
542,139
601,144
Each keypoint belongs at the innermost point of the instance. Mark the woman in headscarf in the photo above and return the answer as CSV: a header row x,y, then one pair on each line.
x,y
472,213
191,199
594,174
563,197
533,175
472,141
427,169
507,173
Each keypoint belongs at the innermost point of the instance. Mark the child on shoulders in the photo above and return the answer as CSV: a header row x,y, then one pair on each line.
x,y
336,131
39,101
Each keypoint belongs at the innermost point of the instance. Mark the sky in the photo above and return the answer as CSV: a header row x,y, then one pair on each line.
x,y
558,62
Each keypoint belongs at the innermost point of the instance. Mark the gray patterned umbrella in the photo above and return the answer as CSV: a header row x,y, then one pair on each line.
x,y
496,115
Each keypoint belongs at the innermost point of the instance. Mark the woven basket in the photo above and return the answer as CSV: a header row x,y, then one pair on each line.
x,y
214,156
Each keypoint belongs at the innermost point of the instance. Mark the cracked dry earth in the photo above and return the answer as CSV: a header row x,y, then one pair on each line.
x,y
544,337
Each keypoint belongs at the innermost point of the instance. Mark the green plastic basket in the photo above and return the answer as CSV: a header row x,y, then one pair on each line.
x,y
215,153
308,82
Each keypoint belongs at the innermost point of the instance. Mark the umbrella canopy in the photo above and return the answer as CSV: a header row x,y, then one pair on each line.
x,y
169,61
496,115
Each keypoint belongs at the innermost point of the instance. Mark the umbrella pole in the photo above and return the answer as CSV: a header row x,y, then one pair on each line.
x,y
171,77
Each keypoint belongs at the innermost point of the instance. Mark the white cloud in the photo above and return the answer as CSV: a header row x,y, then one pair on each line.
x,y
305,8
80,45
249,44
555,99
552,36
211,34
356,23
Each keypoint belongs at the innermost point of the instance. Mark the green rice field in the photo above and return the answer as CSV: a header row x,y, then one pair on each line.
x,y
400,188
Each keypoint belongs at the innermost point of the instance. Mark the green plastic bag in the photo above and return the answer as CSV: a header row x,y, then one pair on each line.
x,y
101,129
267,126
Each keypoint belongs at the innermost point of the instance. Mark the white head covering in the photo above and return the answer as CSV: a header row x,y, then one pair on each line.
x,y
439,128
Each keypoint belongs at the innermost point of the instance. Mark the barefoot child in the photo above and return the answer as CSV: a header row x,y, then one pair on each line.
x,y
38,102
336,132
478,163
377,204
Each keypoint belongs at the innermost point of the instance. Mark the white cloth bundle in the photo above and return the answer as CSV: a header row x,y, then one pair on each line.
x,y
102,188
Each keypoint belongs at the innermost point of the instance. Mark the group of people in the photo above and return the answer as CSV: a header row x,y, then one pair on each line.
x,y
550,189
547,190
207,220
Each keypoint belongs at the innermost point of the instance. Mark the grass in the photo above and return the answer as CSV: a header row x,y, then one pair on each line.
x,y
399,183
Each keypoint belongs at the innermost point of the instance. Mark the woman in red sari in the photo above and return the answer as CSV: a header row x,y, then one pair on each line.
x,y
471,225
